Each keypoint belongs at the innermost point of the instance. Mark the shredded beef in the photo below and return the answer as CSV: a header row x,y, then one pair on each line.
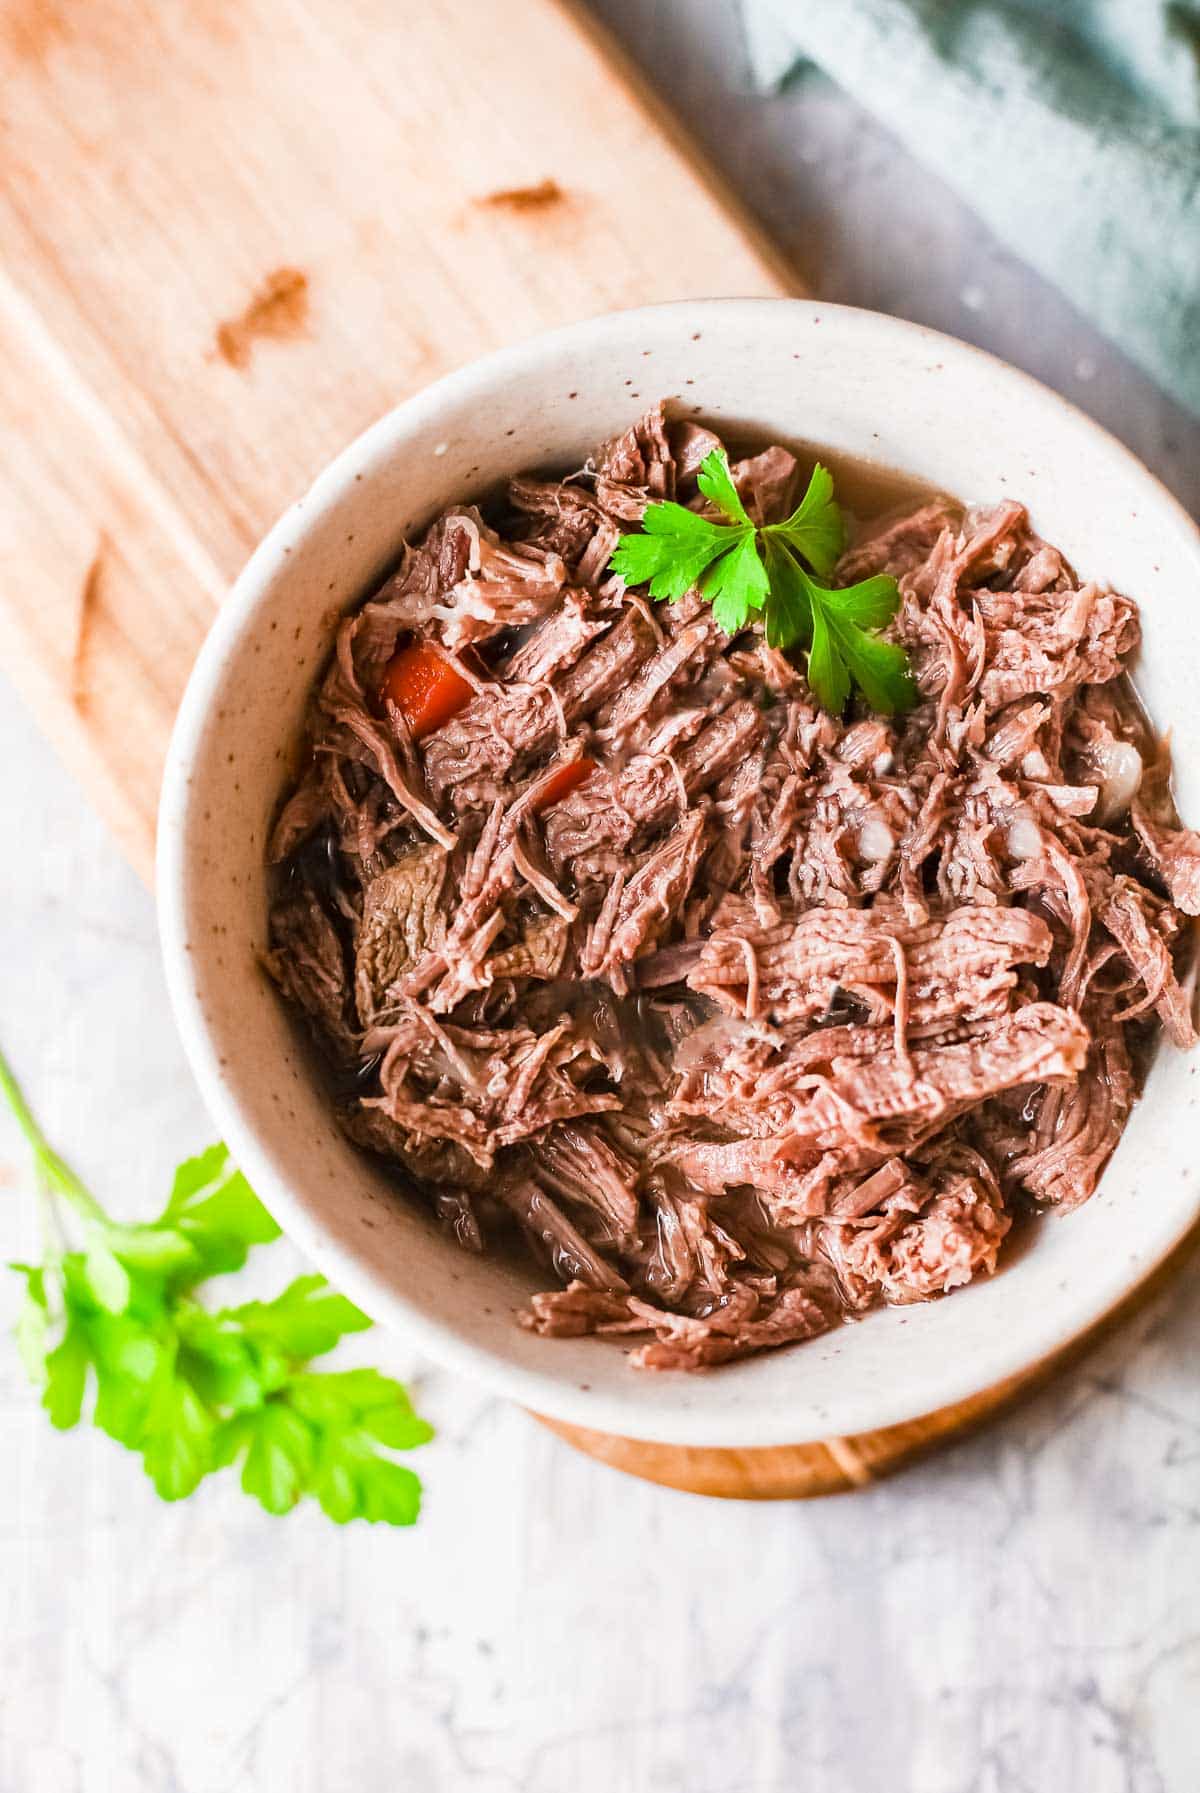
x,y
740,1016
400,918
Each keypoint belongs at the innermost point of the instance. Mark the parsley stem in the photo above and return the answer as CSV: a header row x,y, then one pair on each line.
x,y
58,1175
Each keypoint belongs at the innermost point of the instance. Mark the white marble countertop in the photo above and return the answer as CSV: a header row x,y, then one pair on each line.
x,y
1016,1616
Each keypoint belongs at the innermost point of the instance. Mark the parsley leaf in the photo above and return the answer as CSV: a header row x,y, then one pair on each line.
x,y
307,1320
329,1435
107,1279
815,528
789,619
32,1330
177,1435
111,1316
216,1211
879,668
673,551
66,1370
716,484
222,1364
736,584
870,604
280,1451
128,1359
774,571
373,1404
827,673
360,1411
837,624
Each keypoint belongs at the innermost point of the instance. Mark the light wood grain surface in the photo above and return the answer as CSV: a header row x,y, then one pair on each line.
x,y
231,237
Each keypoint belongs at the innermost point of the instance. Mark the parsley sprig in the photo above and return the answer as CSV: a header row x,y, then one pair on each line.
x,y
111,1322
776,570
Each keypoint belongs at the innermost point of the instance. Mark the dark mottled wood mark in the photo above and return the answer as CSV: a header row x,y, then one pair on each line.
x,y
539,198
32,28
89,605
278,309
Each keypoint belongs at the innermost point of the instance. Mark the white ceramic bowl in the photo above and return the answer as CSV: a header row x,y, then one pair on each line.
x,y
863,384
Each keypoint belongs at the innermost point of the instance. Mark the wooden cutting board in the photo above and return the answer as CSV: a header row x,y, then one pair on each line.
x,y
235,232
232,234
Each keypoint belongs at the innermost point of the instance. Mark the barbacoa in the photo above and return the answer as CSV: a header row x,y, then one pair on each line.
x,y
742,1015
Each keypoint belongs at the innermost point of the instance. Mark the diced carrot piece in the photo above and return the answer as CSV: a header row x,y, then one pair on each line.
x,y
423,688
568,778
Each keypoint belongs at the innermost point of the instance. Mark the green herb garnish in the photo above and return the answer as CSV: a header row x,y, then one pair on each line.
x,y
110,1320
742,569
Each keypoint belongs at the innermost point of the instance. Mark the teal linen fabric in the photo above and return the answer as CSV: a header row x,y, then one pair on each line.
x,y
1071,126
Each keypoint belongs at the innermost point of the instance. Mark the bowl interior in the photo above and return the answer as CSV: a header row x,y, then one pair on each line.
x,y
866,386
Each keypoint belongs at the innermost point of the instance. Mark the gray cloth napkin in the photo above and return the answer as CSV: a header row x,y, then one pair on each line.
x,y
1071,126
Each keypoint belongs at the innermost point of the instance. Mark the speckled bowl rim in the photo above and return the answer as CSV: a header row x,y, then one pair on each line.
x,y
1012,1355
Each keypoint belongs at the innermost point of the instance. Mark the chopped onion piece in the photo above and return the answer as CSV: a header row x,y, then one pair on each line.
x,y
1119,773
876,842
1023,838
